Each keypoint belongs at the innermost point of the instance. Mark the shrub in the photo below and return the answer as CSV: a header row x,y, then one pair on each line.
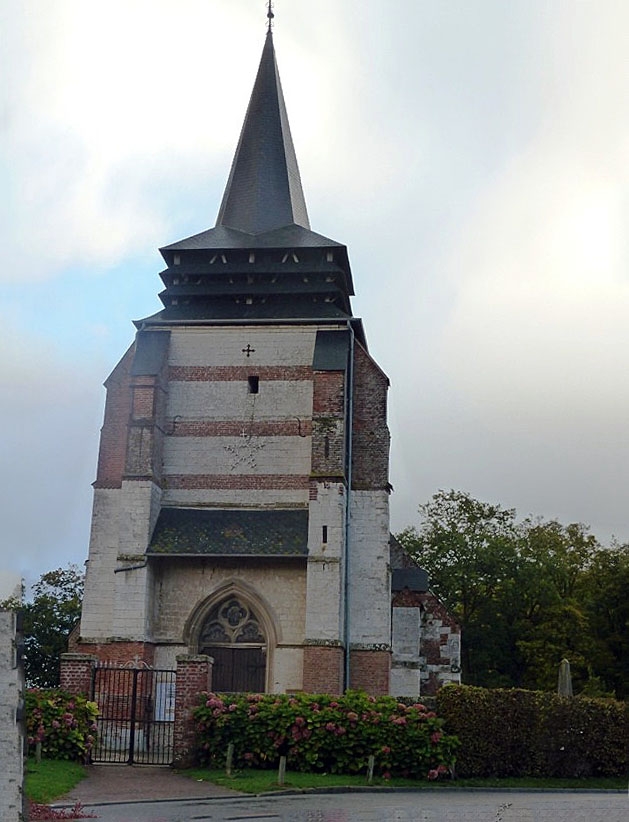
x,y
64,724
322,733
533,733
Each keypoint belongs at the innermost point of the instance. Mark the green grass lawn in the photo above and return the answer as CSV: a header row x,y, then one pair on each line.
x,y
256,781
51,778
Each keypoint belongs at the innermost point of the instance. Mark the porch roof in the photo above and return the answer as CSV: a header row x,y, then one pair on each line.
x,y
230,532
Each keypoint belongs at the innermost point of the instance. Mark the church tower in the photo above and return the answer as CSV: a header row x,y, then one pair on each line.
x,y
241,500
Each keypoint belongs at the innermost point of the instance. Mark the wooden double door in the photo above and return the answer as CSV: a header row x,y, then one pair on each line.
x,y
237,669
233,635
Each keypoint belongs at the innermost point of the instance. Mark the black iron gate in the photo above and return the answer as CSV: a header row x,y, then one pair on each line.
x,y
136,715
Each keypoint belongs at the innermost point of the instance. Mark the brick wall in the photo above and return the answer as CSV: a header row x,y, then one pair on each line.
x,y
76,673
440,640
113,437
328,396
116,653
11,738
145,438
369,671
229,373
328,424
370,463
323,669
194,675
254,482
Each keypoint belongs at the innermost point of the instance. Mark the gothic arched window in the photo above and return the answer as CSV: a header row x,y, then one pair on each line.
x,y
233,636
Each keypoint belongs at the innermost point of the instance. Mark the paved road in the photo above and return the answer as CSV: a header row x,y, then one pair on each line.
x,y
433,806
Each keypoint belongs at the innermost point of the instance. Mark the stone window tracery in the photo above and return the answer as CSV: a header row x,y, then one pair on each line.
x,y
231,622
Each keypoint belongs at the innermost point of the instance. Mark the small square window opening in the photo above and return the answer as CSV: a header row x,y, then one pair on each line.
x,y
253,384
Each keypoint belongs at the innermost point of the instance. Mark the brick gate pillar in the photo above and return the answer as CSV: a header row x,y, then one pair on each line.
x,y
194,675
76,673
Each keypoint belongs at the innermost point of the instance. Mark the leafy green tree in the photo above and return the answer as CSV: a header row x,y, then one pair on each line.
x,y
469,549
526,594
605,593
49,616
553,622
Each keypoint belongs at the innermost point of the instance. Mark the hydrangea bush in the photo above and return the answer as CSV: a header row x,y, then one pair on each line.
x,y
65,725
322,733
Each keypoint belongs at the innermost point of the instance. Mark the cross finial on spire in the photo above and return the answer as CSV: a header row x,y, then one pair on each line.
x,y
269,14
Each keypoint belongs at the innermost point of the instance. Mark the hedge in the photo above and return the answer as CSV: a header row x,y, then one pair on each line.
x,y
532,733
322,733
64,725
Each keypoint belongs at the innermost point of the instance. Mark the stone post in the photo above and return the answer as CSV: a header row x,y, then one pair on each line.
x,y
76,673
194,675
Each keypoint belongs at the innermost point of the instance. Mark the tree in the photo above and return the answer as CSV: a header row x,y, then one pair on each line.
x,y
49,617
605,593
526,595
469,549
553,622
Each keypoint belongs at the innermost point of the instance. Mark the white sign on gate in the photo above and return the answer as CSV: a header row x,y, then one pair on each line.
x,y
165,701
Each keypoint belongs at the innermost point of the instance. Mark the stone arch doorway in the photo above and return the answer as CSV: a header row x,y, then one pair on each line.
x,y
233,634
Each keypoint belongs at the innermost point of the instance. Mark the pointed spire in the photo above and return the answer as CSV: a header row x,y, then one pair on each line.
x,y
264,190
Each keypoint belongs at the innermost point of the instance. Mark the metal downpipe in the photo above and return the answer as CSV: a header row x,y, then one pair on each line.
x,y
349,418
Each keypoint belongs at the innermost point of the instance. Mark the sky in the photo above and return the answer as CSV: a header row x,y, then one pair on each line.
x,y
472,154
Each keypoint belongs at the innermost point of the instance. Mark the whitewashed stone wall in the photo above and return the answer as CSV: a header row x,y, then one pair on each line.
x,y
98,599
274,345
115,603
221,455
369,577
11,739
405,645
229,400
183,590
324,605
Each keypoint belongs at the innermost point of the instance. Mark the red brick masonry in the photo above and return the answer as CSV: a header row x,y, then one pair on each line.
x,y
194,675
323,669
235,373
369,671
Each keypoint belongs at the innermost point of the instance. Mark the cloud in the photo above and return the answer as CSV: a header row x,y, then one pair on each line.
x,y
473,157
103,119
50,413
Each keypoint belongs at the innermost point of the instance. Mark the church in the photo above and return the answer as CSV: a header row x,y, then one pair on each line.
x,y
241,504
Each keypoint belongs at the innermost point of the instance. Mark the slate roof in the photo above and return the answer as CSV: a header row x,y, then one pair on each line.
x,y
151,351
405,571
230,533
331,351
223,310
262,226
264,187
221,238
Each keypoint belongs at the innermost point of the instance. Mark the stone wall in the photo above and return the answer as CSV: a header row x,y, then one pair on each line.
x,y
11,732
218,417
370,462
439,658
